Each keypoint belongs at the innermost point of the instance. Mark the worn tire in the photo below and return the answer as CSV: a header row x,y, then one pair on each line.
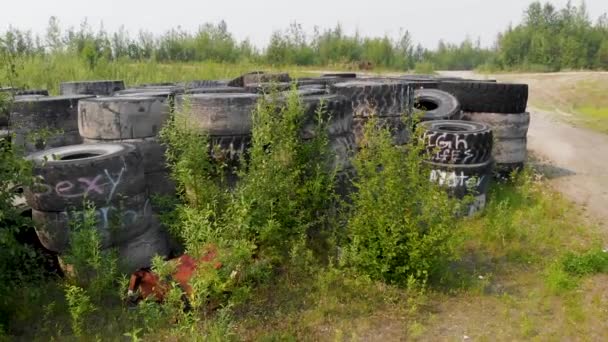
x,y
343,148
203,84
102,88
336,115
161,94
160,184
254,78
149,91
510,151
115,223
340,75
27,92
435,104
504,126
111,118
216,90
239,81
462,180
32,144
368,98
46,112
229,147
151,150
267,87
302,92
398,129
102,174
488,97
457,142
220,114
138,252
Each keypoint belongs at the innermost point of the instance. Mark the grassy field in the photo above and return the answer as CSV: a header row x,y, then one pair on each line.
x,y
37,72
578,97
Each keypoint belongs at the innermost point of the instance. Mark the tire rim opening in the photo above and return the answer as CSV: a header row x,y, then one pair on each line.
x,y
425,105
79,155
452,128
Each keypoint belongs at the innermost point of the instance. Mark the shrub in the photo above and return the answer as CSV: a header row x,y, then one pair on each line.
x,y
284,191
400,226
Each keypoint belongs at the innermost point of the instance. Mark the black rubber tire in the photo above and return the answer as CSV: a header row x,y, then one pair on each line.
x,y
150,91
203,84
161,94
336,114
462,180
116,223
24,140
229,147
216,90
303,92
46,112
504,126
488,97
381,99
252,78
457,142
341,75
122,117
138,252
435,104
503,171
343,148
5,138
101,88
160,184
102,174
220,114
151,150
400,130
26,92
310,81
510,151
239,81
267,87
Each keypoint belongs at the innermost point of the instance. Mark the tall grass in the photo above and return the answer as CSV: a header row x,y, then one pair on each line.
x,y
47,72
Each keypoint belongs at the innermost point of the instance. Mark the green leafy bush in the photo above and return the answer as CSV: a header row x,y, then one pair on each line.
x,y
401,225
283,194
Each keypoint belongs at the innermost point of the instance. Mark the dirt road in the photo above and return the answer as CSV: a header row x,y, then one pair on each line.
x,y
574,159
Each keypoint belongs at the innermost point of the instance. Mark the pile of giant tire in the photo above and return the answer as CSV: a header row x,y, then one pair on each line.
x,y
103,142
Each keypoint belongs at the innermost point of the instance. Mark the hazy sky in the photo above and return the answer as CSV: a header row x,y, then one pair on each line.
x,y
427,20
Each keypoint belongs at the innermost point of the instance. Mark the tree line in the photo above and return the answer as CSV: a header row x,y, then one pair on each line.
x,y
547,39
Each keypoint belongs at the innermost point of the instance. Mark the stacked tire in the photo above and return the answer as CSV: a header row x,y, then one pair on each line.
x,y
510,138
135,120
226,118
110,177
460,159
101,88
434,104
41,122
339,120
502,106
390,102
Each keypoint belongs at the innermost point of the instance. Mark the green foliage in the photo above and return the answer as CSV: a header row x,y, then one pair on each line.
x,y
591,262
92,268
283,193
80,305
554,39
424,68
400,226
